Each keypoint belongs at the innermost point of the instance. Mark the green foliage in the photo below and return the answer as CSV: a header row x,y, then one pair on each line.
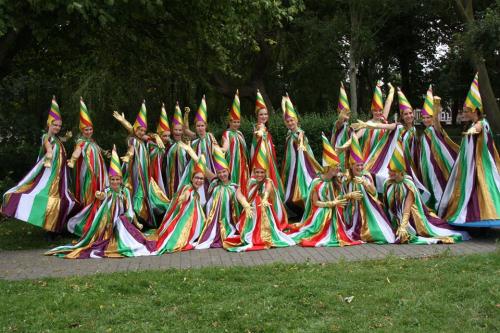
x,y
397,295
312,124
115,53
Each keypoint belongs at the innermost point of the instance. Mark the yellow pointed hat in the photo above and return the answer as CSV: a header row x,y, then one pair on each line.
x,y
141,120
54,113
163,125
85,120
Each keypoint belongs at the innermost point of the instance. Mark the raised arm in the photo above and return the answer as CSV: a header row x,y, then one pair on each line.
x,y
121,119
388,101
185,127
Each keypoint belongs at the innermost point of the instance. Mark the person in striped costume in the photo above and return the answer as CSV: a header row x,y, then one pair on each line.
x,y
158,148
203,144
89,171
299,165
323,220
184,220
264,218
262,137
222,208
111,233
176,158
365,219
437,151
472,196
146,194
341,130
42,198
413,221
377,137
235,147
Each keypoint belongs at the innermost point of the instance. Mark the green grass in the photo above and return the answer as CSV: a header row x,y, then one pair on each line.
x,y
18,235
450,294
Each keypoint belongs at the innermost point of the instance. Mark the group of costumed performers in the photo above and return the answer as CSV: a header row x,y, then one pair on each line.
x,y
177,190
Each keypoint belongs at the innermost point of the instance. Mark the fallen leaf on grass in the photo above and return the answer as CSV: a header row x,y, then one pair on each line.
x,y
348,299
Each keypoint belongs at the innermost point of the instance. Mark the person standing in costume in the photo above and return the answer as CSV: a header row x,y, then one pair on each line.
x,y
222,209
264,217
157,151
184,220
262,137
413,221
409,140
323,220
365,218
111,233
176,158
90,170
145,192
91,173
378,139
203,145
42,197
342,131
437,151
299,165
472,195
235,147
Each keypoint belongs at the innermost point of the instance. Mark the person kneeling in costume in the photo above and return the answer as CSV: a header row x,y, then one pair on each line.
x,y
323,221
111,233
264,216
184,220
365,218
222,209
413,221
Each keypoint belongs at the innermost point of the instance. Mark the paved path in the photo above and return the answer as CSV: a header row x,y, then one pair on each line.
x,y
32,264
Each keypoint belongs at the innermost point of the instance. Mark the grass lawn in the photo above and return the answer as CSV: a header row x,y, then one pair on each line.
x,y
18,235
454,294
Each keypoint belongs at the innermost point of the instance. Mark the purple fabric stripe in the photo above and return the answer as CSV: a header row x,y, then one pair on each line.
x,y
137,235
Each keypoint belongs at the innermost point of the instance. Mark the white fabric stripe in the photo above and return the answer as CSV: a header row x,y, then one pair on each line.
x,y
25,206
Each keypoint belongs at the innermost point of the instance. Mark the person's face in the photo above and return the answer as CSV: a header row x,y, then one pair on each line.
x,y
177,131
408,117
260,174
262,116
140,131
55,126
164,136
291,124
115,182
198,180
201,128
357,169
378,114
396,175
468,114
223,175
427,120
331,172
87,132
234,124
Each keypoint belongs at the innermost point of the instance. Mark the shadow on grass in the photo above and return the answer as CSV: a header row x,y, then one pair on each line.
x,y
18,235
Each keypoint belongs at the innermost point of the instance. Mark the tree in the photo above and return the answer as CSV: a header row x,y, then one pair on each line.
x,y
476,56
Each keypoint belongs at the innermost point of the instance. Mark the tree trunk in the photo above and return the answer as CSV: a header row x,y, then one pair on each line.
x,y
353,63
490,106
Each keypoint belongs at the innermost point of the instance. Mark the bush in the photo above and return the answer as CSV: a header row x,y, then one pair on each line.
x,y
312,124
